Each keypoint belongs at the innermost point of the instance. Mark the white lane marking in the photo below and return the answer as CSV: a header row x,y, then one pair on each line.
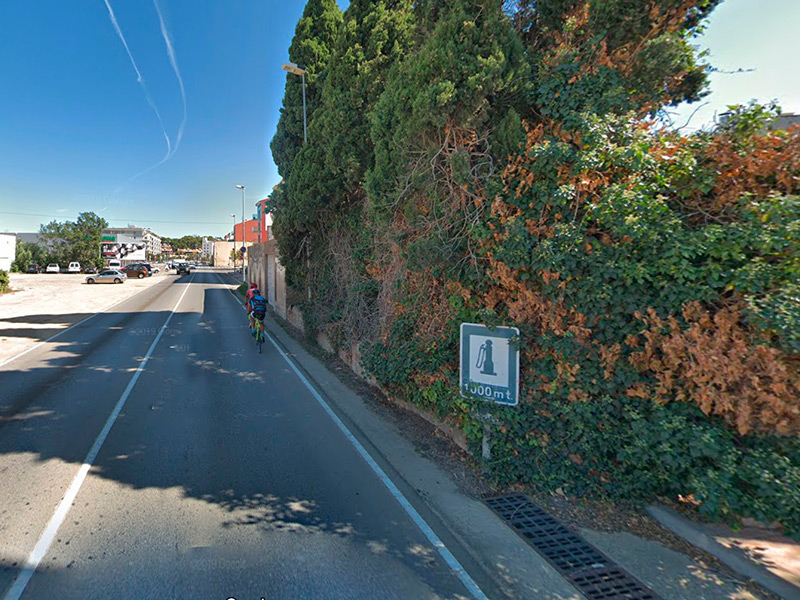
x,y
35,346
418,520
48,535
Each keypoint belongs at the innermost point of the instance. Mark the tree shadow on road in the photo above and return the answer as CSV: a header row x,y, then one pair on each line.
x,y
208,416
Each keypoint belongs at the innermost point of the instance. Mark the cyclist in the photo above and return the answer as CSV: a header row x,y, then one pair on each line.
x,y
249,293
256,308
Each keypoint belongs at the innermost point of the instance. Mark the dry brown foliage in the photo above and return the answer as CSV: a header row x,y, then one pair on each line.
x,y
624,58
715,363
770,164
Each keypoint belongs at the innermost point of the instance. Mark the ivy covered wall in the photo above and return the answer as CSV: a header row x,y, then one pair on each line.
x,y
505,163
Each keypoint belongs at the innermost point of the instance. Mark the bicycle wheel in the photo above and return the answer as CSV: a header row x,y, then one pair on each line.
x,y
259,337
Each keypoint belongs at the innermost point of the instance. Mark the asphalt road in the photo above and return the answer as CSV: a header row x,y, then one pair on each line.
x,y
221,475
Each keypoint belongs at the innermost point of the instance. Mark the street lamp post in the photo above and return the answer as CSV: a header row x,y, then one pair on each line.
x,y
234,241
298,70
244,237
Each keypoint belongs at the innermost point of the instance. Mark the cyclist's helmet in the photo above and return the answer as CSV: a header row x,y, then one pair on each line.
x,y
253,284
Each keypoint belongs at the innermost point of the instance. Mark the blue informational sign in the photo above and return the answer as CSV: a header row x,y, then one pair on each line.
x,y
490,363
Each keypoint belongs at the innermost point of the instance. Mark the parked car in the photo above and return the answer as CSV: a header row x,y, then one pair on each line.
x,y
52,268
90,269
74,267
136,270
114,264
148,267
33,268
107,276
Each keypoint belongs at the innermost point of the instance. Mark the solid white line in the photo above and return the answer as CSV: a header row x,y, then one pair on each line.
x,y
420,522
24,352
48,535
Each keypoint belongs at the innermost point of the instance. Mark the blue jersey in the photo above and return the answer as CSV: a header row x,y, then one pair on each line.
x,y
258,302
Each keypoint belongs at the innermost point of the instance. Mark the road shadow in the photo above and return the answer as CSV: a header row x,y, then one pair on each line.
x,y
208,416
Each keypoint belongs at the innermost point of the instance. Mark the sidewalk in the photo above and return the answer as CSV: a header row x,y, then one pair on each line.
x,y
410,449
763,555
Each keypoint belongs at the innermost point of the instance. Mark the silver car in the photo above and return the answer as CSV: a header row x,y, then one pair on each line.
x,y
107,276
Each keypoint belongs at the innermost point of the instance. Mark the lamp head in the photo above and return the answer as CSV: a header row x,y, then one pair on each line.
x,y
294,68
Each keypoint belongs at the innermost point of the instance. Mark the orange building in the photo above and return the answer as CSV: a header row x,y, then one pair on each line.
x,y
251,231
258,229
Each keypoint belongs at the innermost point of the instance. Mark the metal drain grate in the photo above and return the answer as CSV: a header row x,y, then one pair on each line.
x,y
593,573
603,584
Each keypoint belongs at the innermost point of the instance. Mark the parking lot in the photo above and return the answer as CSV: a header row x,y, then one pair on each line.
x,y
26,313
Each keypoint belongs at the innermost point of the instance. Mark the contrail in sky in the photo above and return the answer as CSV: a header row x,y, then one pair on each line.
x,y
171,150
140,79
174,63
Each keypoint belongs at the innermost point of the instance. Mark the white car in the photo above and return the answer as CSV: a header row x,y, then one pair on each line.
x,y
74,267
52,268
107,276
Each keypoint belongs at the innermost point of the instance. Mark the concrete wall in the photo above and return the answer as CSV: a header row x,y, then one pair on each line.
x,y
265,268
222,253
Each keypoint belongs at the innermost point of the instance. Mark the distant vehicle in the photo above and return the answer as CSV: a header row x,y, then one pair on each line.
x,y
107,276
90,269
114,264
74,267
52,268
183,267
33,268
136,270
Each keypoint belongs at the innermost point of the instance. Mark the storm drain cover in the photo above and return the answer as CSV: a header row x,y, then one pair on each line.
x,y
588,569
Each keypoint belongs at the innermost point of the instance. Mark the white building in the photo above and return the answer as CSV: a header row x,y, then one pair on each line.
x,y
153,242
132,235
208,248
8,250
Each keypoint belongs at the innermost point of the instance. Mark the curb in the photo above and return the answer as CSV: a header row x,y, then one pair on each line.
x,y
737,561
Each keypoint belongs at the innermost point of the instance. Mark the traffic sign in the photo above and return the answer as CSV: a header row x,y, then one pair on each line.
x,y
243,249
490,363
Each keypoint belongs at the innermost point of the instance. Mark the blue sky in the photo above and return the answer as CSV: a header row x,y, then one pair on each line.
x,y
76,125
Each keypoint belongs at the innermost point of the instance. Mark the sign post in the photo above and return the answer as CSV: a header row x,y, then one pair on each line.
x,y
489,371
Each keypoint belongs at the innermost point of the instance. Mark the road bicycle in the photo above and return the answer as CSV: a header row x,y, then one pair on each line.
x,y
260,336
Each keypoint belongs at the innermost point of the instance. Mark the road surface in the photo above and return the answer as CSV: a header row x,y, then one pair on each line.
x,y
150,452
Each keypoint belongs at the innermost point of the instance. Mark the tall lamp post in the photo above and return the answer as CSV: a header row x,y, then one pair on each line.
x,y
298,70
244,237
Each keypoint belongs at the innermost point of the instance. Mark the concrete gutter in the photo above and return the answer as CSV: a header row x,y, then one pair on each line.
x,y
736,560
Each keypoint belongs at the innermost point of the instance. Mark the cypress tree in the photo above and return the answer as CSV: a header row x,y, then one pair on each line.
x,y
311,48
452,104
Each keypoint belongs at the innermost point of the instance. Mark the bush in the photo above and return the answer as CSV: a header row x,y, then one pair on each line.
x,y
4,282
640,451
